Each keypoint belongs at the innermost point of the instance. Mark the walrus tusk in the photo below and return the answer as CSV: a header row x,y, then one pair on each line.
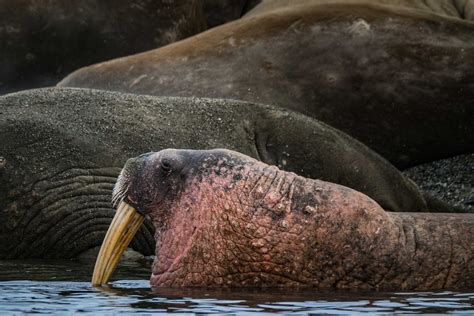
x,y
123,228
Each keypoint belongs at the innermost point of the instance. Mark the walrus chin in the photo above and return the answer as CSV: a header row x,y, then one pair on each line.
x,y
124,226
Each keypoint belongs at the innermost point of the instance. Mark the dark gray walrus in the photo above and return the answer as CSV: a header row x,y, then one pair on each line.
x,y
62,150
223,219
398,79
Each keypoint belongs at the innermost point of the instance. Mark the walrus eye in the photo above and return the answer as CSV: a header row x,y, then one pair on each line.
x,y
165,165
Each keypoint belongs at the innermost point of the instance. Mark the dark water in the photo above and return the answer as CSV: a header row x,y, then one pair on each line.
x,y
62,287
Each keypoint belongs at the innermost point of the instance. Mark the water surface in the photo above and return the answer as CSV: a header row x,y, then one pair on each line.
x,y
63,287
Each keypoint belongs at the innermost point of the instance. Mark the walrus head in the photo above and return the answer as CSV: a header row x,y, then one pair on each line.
x,y
148,178
150,184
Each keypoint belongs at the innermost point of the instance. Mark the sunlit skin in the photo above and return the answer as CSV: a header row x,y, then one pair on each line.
x,y
223,219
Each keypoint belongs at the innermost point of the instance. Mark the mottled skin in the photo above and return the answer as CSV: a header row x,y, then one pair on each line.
x,y
224,219
394,78
62,149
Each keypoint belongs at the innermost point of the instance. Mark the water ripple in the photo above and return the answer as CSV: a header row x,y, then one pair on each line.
x,y
136,297
64,288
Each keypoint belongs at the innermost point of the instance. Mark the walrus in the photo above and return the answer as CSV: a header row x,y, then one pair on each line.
x,y
394,78
223,219
62,149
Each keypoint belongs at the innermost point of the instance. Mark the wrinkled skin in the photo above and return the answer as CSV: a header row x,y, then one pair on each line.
x,y
394,78
44,40
62,149
225,219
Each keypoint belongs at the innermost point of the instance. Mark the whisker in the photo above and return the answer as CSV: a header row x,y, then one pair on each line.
x,y
120,189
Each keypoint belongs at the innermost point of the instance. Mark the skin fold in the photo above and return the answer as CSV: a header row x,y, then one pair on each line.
x,y
223,219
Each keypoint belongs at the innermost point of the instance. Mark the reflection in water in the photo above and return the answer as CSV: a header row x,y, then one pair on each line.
x,y
66,289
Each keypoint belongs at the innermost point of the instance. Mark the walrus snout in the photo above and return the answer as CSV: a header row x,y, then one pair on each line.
x,y
121,188
145,180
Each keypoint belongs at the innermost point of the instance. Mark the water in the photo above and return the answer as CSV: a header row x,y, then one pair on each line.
x,y
62,287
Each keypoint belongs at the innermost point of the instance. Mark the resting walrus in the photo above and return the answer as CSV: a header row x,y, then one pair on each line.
x,y
225,219
395,79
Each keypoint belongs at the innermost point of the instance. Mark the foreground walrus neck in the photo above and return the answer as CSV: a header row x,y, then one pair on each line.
x,y
223,219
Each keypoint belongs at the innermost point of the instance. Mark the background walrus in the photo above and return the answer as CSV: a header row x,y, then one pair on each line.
x,y
395,78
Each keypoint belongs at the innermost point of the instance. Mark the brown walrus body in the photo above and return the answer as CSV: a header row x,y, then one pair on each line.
x,y
396,79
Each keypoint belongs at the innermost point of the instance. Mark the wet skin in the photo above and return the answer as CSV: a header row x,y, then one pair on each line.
x,y
223,219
